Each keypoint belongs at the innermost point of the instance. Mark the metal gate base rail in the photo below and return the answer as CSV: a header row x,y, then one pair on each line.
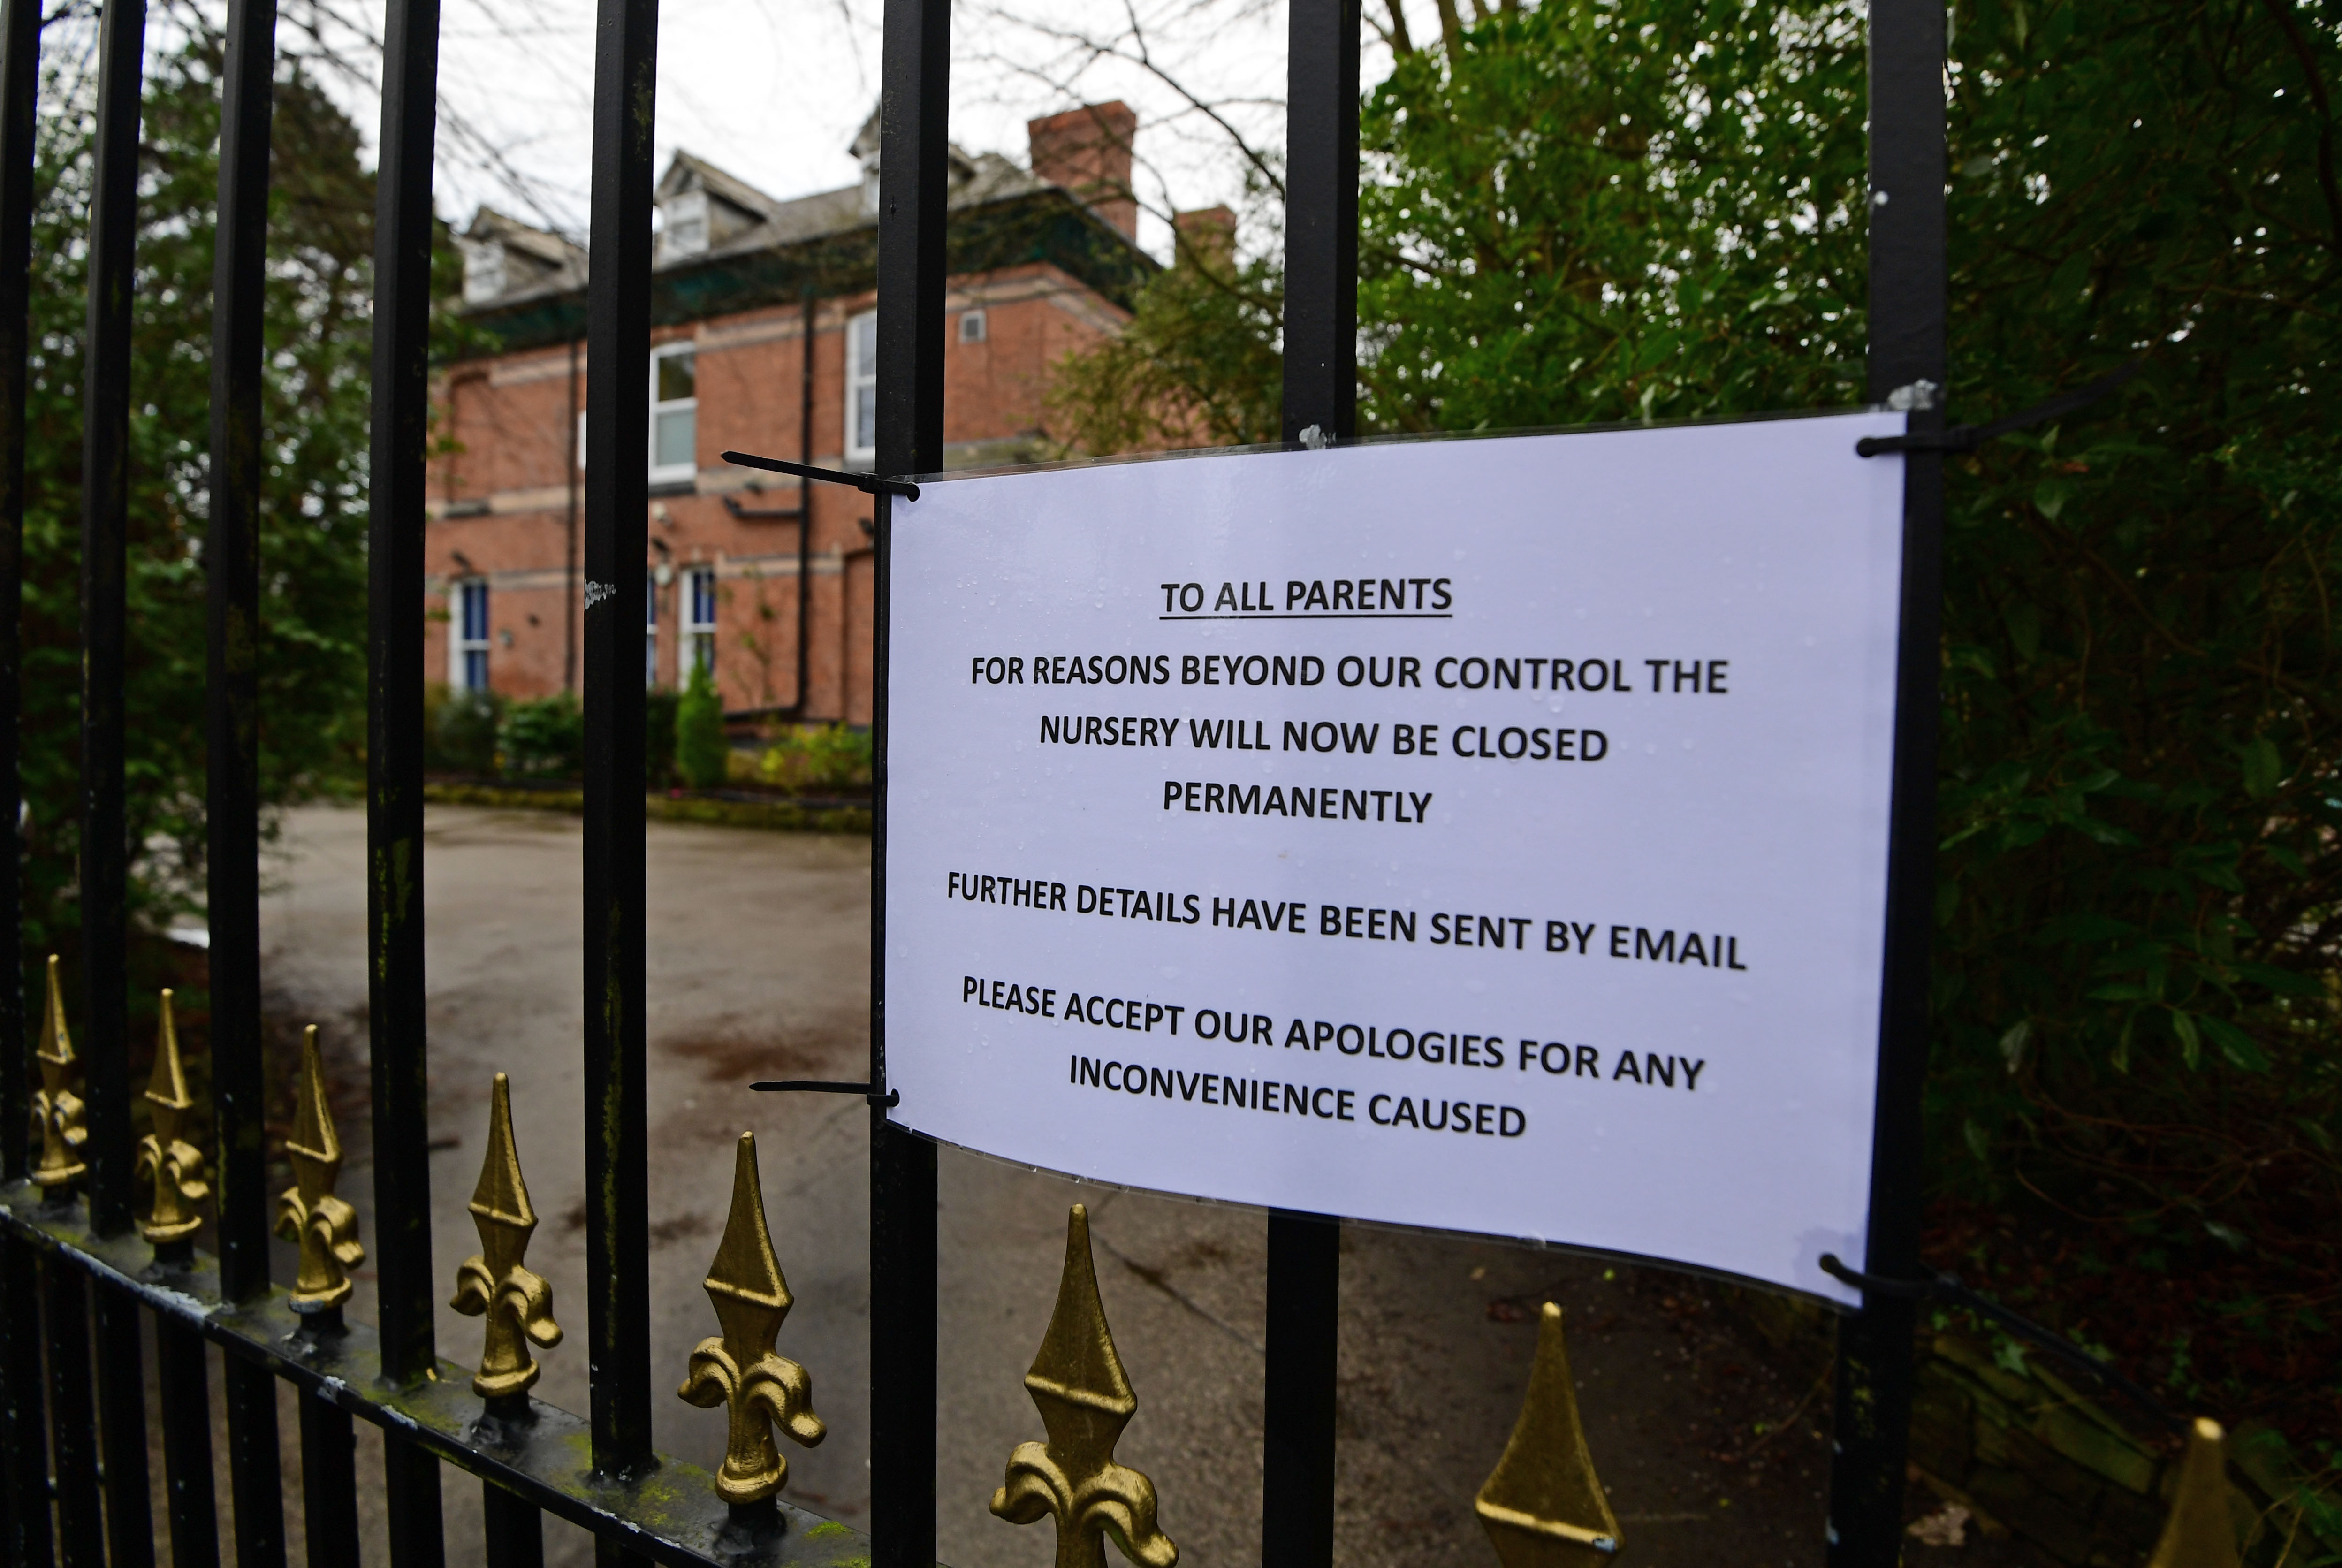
x,y
671,1515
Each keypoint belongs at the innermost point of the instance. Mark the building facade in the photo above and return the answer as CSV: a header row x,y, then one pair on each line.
x,y
762,341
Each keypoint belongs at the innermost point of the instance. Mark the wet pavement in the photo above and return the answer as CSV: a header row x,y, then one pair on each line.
x,y
1711,1442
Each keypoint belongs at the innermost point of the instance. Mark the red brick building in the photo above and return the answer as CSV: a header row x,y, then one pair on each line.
x,y
762,338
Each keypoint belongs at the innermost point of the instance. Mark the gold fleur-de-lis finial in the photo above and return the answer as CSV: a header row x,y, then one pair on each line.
x,y
1086,1401
2201,1533
56,1109
1542,1506
519,1304
740,1369
172,1166
308,1212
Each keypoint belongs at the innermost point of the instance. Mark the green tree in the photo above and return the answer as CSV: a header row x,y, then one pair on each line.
x,y
2136,995
1197,366
1616,210
318,314
701,751
1602,210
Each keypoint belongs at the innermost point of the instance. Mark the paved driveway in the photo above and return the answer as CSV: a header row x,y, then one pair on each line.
x,y
758,967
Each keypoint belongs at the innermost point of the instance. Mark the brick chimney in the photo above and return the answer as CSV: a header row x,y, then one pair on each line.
x,y
1207,234
1087,151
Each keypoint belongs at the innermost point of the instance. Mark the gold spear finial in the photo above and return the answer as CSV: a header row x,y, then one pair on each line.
x,y
308,1212
2200,1532
167,1160
519,1304
1086,1401
738,1368
1543,1506
56,1109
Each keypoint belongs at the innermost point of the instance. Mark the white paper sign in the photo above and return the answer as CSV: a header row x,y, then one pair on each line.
x,y
1481,835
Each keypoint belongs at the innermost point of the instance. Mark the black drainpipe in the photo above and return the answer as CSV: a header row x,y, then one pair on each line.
x,y
569,568
801,514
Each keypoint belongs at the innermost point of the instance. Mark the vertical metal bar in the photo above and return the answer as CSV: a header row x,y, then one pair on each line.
x,y
1908,366
515,1530
395,721
410,1479
103,859
329,1496
405,1285
1321,318
106,499
569,540
20,61
24,1445
9,1502
1321,219
122,1427
105,472
1304,1299
913,193
26,1460
255,1484
617,416
902,1219
232,569
185,1385
73,1424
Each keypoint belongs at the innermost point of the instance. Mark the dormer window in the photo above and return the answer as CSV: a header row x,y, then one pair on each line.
x,y
686,217
484,274
503,259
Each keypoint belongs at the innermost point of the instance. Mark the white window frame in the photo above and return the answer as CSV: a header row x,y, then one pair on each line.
x,y
697,646
650,630
974,326
861,372
461,643
672,472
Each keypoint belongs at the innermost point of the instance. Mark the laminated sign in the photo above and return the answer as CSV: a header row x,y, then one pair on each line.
x,y
1485,835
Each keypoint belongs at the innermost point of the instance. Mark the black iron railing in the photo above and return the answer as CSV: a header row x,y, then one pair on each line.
x,y
76,1276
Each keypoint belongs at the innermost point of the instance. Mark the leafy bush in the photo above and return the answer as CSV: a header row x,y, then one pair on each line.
x,y
659,737
700,747
464,738
544,738
435,702
310,649
819,759
1602,210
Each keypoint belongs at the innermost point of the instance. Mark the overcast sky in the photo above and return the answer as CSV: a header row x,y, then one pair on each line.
x,y
775,90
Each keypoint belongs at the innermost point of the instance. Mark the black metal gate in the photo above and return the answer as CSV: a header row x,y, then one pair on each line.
x,y
74,1272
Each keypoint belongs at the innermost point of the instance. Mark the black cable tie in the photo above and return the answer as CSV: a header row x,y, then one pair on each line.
x,y
893,1097
1969,437
1950,1287
869,484
1870,1284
